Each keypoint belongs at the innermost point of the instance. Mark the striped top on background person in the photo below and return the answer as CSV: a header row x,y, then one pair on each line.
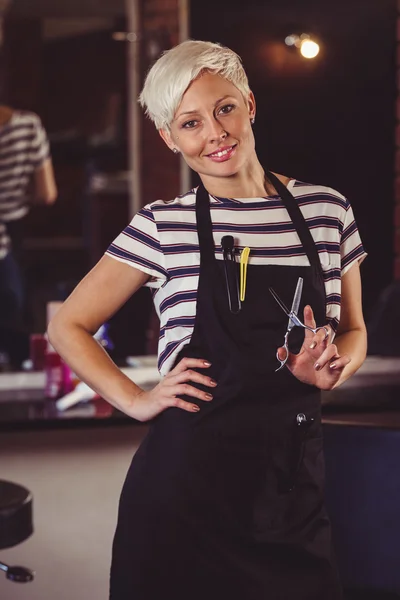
x,y
24,148
162,240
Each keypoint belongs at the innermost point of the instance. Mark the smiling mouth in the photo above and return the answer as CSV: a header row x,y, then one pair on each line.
x,y
221,153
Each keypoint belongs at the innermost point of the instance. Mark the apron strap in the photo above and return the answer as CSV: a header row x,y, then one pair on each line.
x,y
299,222
204,226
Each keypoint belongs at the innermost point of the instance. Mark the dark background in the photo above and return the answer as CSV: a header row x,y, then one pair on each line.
x,y
329,120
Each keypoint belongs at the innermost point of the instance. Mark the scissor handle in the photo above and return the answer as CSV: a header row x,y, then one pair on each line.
x,y
286,348
316,329
298,323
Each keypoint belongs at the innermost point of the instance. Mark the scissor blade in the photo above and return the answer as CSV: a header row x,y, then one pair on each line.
x,y
279,301
297,296
296,303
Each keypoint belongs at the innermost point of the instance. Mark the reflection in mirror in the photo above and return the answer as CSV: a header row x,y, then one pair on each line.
x,y
64,78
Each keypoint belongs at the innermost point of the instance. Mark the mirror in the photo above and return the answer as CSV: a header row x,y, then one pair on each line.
x,y
65,62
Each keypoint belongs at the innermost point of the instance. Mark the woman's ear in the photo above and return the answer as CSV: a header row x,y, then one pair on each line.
x,y
166,136
251,103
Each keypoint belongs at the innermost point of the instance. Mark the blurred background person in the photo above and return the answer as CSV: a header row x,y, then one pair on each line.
x,y
26,177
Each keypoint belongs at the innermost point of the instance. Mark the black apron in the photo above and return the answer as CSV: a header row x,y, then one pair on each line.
x,y
228,502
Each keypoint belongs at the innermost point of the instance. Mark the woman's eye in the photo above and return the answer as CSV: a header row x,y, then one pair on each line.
x,y
227,109
189,124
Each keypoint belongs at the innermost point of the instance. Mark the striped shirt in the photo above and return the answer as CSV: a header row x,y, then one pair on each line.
x,y
23,149
162,241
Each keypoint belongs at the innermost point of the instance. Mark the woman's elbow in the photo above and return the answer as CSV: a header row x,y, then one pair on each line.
x,y
47,197
62,330
51,197
54,332
58,330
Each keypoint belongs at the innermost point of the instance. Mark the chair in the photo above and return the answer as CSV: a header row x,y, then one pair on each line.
x,y
15,525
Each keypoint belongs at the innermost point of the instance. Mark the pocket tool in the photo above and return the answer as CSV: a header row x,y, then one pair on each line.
x,y
244,259
294,320
232,285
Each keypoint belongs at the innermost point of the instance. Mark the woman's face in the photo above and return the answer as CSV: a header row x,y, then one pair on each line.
x,y
212,127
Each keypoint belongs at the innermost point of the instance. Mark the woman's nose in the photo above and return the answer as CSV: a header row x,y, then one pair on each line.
x,y
217,132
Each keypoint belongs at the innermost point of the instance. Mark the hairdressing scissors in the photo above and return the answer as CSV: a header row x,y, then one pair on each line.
x,y
294,320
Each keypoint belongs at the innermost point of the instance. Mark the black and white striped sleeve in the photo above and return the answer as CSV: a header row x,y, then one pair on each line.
x,y
39,150
139,245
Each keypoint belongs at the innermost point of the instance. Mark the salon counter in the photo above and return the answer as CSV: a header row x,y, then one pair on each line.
x,y
23,405
370,398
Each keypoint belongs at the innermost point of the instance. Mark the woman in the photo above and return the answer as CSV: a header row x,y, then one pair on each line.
x,y
224,498
26,176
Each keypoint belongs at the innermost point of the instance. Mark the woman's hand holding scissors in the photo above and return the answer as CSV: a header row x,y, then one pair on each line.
x,y
318,362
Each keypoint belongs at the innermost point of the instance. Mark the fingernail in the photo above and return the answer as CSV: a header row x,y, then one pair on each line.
x,y
312,346
195,408
332,366
208,364
317,366
212,382
209,397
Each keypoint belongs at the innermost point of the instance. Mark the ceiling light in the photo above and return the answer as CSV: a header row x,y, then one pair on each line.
x,y
309,48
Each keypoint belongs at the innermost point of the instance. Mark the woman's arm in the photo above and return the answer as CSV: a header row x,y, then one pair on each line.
x,y
99,295
44,183
351,338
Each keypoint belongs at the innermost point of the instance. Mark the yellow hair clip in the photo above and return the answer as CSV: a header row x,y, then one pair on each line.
x,y
244,259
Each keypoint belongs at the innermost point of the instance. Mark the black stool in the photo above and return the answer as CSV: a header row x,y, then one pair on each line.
x,y
15,525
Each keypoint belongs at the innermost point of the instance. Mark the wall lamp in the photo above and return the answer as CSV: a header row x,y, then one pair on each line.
x,y
304,43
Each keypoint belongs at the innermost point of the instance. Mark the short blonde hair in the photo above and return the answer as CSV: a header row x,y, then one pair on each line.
x,y
171,75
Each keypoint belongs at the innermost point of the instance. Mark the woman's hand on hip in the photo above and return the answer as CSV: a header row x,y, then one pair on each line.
x,y
318,362
148,404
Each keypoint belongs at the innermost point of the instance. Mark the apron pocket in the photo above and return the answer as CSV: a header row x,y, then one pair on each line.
x,y
312,468
279,512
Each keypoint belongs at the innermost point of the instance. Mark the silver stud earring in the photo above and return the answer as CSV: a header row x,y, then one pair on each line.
x,y
252,120
175,150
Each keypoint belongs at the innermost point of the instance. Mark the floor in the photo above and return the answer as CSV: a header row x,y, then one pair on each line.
x,y
76,475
